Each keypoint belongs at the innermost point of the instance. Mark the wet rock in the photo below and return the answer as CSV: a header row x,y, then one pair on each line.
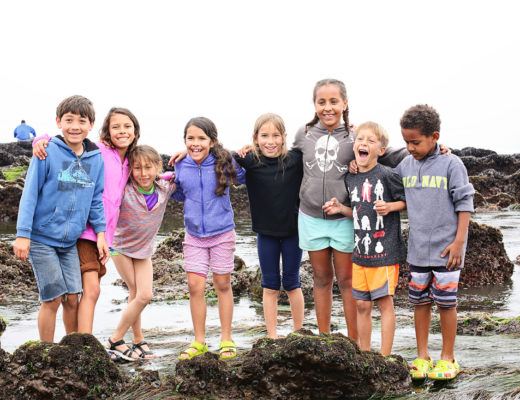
x,y
498,190
10,194
486,262
3,325
483,324
16,277
77,367
300,366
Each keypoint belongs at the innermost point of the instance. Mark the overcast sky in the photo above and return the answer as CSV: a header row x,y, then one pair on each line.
x,y
231,61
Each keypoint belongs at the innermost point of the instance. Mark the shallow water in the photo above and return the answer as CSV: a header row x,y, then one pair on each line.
x,y
491,364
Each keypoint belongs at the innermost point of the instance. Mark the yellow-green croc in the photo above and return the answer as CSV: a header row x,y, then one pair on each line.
x,y
195,349
420,368
227,350
444,370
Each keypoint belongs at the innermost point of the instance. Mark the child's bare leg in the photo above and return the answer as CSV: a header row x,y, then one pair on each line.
x,y
144,279
323,276
297,307
270,304
70,304
449,332
47,319
422,318
364,323
222,285
386,307
88,301
197,287
343,270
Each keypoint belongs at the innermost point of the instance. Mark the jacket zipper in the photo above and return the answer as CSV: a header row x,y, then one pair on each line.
x,y
201,199
324,175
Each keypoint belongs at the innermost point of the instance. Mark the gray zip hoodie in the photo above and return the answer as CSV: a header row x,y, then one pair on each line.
x,y
325,162
436,188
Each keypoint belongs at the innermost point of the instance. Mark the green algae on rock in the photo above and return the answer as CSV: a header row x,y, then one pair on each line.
x,y
300,366
77,367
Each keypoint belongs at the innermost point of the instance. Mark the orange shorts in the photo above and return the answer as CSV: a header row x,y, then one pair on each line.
x,y
372,283
89,257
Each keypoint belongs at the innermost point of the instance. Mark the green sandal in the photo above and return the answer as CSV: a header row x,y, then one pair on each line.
x,y
420,368
227,346
195,349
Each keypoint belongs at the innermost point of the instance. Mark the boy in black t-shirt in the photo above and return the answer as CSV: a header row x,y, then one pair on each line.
x,y
376,195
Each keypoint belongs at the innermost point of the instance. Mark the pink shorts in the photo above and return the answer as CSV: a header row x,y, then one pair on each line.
x,y
215,253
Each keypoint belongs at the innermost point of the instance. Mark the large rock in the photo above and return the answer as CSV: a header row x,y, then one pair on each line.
x,y
76,368
10,194
486,262
483,324
300,366
16,277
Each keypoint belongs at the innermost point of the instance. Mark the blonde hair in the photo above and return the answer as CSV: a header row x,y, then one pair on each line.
x,y
146,153
278,123
379,131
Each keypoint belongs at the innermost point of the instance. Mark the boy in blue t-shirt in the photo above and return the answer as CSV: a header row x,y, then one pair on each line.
x,y
60,195
439,200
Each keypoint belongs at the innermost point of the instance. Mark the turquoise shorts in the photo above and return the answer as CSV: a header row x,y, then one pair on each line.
x,y
318,234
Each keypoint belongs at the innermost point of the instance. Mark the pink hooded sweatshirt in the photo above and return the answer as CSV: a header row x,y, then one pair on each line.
x,y
117,172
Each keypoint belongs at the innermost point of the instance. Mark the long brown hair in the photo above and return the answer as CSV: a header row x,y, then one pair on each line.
x,y
224,167
104,135
343,94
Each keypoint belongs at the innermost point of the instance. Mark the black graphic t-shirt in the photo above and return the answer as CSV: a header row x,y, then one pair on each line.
x,y
377,239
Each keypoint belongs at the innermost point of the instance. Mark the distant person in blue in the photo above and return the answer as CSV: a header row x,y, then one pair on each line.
x,y
24,131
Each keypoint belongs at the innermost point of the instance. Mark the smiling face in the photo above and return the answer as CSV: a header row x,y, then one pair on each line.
x,y
367,149
418,144
144,172
269,140
197,143
329,105
75,129
122,131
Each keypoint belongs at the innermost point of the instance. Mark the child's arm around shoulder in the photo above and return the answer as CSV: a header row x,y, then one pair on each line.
x,y
394,186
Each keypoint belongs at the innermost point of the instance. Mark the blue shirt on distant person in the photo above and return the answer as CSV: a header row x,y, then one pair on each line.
x,y
24,131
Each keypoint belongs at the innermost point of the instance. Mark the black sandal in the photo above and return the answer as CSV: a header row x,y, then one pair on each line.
x,y
142,352
125,355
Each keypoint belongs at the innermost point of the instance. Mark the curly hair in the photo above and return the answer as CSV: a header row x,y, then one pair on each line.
x,y
343,94
224,167
104,134
422,117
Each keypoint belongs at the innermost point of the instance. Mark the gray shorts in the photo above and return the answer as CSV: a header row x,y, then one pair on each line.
x,y
56,270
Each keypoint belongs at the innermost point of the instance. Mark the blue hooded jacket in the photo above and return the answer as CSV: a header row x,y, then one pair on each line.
x,y
61,194
205,213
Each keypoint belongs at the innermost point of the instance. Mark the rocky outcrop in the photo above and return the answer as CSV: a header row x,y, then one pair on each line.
x,y
496,177
10,194
77,367
15,153
300,366
482,324
16,277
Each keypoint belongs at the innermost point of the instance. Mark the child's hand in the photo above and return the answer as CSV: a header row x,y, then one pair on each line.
x,y
333,206
382,207
39,149
444,149
242,152
352,167
454,250
21,248
176,157
104,253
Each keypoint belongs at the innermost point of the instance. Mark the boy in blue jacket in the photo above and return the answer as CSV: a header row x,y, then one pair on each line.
x,y
439,200
61,194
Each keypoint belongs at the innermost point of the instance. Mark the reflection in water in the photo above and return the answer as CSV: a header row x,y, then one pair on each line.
x,y
490,363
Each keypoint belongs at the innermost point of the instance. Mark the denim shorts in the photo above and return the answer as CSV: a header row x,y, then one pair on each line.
x,y
56,270
318,234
